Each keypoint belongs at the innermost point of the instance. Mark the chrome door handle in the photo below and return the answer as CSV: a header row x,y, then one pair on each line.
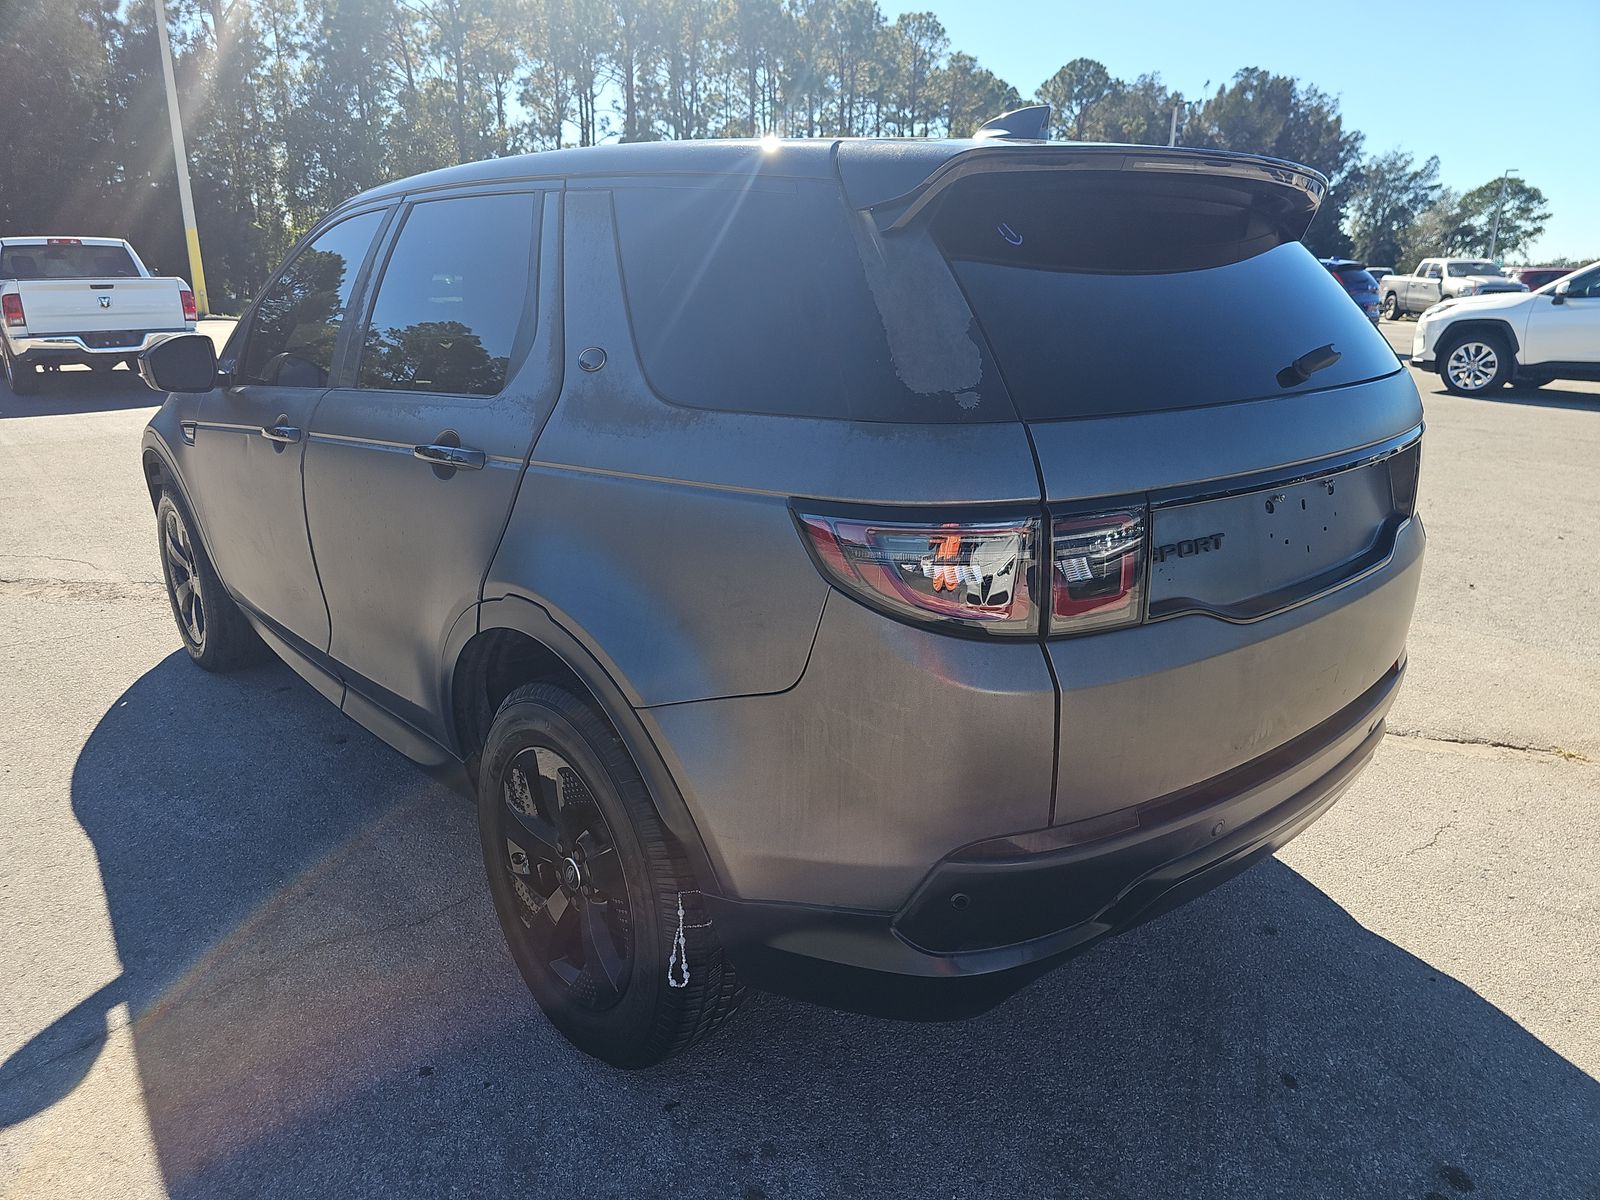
x,y
280,433
459,457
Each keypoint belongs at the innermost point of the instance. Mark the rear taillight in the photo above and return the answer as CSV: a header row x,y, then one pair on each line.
x,y
977,576
12,307
63,241
190,312
1097,580
987,576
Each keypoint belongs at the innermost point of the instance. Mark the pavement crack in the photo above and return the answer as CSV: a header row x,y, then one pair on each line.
x,y
1489,744
1433,841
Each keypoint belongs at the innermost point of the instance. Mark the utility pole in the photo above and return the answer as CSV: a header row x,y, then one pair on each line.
x,y
1499,203
191,232
1172,136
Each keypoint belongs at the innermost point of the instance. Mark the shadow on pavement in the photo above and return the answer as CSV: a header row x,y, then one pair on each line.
x,y
321,1005
78,390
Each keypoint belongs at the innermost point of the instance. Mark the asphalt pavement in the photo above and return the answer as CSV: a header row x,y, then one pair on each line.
x,y
247,949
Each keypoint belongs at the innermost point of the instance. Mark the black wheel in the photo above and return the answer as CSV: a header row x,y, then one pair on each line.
x,y
1475,364
214,631
21,378
598,903
1391,307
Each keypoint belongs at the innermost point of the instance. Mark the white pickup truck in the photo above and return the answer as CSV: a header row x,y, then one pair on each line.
x,y
81,300
1437,279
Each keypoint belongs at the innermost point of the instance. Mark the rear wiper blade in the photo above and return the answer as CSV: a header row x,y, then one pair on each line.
x,y
1308,364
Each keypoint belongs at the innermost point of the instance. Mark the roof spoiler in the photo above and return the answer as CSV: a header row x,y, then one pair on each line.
x,y
1300,188
1028,124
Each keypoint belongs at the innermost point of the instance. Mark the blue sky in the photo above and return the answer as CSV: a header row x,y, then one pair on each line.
x,y
1526,96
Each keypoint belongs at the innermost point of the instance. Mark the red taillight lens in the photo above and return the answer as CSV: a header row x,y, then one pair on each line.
x,y
975,575
1097,575
190,312
12,307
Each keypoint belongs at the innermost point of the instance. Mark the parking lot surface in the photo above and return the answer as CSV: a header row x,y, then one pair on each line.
x,y
247,949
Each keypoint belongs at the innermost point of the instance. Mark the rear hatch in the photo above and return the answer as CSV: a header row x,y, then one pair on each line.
x,y
1176,353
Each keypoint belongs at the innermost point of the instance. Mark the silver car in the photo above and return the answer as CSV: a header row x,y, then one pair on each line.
x,y
870,571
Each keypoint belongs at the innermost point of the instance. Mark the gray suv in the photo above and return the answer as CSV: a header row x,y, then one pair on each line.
x,y
871,571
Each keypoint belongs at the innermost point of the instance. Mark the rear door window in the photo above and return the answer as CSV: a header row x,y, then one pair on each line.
x,y
67,262
750,295
296,324
1100,302
450,304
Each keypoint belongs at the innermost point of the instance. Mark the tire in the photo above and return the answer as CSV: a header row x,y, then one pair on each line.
x,y
1391,307
1475,364
21,378
598,904
214,631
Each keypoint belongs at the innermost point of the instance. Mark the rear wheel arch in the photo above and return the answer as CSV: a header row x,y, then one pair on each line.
x,y
518,643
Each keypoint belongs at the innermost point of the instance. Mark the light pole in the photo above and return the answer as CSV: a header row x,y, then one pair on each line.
x,y
191,232
1499,203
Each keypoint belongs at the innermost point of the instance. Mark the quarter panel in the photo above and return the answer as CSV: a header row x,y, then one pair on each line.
x,y
897,746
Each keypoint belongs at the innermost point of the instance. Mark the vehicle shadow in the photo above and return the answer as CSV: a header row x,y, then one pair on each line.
x,y
1554,395
78,390
321,1005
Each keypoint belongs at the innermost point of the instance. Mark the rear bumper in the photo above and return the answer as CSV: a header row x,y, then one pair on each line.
x,y
85,348
990,918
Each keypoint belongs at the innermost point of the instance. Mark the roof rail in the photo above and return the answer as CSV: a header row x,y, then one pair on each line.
x,y
1030,124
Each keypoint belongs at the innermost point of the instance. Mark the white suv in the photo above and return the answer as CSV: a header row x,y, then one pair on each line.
x,y
1479,344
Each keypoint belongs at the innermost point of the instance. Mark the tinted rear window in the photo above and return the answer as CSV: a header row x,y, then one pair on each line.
x,y
1356,277
66,262
1175,300
750,295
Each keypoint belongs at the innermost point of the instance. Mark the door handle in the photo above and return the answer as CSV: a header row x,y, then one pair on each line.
x,y
280,433
458,457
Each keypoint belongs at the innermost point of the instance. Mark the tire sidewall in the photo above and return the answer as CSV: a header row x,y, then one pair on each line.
x,y
168,506
1390,310
620,1034
1503,368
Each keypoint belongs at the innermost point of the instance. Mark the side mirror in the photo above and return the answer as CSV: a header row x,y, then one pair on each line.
x,y
185,363
1559,296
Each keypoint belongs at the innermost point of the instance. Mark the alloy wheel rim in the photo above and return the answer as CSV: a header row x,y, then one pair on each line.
x,y
1472,365
566,873
184,581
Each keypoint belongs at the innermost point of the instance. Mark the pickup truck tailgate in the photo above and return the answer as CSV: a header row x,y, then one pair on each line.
x,y
95,305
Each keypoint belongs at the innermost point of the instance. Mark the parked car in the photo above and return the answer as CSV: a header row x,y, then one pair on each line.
x,y
1442,279
83,300
870,571
1479,345
1378,273
1357,282
1537,277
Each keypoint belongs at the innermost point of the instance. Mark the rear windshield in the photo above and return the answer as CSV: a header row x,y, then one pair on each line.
x,y
1356,277
751,295
1101,301
66,262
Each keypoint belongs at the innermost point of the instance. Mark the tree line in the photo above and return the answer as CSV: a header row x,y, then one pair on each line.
x,y
291,106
